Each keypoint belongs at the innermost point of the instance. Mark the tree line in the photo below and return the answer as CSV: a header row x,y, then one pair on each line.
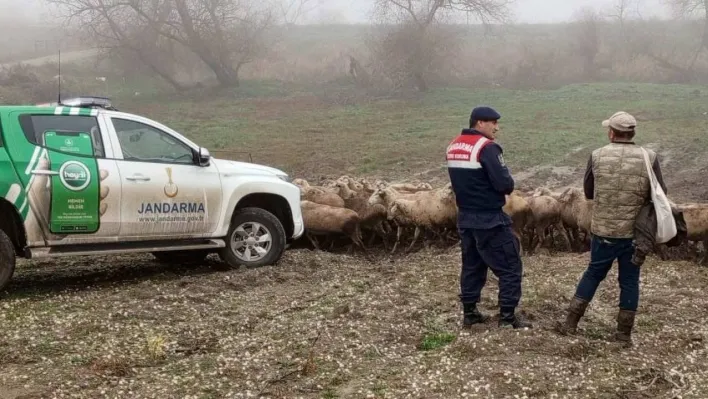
x,y
410,40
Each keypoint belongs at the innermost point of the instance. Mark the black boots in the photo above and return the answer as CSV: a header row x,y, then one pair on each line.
x,y
507,319
472,315
576,311
625,323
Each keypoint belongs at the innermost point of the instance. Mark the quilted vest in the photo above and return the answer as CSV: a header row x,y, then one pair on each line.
x,y
621,189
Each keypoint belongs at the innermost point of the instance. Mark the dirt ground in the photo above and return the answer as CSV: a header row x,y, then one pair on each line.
x,y
322,325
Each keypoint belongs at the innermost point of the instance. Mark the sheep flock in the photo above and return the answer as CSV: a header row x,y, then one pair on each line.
x,y
362,214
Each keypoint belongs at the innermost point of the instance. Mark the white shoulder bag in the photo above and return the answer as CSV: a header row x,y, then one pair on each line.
x,y
665,223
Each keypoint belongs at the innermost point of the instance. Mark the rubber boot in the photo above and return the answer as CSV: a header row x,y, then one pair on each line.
x,y
472,315
625,323
508,319
576,310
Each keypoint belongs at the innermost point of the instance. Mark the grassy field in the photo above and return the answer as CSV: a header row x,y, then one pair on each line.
x,y
325,325
547,135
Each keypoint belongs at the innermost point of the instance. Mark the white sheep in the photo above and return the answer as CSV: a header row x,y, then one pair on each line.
x,y
436,208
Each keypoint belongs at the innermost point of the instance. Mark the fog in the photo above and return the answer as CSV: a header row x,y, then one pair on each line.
x,y
526,11
546,43
346,11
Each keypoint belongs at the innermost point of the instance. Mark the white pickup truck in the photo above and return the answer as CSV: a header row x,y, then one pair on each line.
x,y
82,178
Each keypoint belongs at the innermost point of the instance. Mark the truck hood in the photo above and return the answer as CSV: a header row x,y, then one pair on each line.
x,y
245,168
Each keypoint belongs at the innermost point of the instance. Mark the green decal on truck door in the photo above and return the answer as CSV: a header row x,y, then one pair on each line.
x,y
75,183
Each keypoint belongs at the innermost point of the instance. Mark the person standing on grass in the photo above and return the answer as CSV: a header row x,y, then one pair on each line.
x,y
617,180
480,180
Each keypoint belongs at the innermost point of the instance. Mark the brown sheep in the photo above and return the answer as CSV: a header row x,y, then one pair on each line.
x,y
372,216
519,211
545,212
325,219
350,183
696,217
321,196
576,214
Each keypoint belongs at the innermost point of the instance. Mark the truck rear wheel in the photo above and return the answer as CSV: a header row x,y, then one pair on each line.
x,y
7,260
256,238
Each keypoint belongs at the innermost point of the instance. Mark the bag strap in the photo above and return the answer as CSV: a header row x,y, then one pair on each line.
x,y
650,170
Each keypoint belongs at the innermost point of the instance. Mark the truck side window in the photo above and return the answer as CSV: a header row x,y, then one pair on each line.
x,y
144,143
34,127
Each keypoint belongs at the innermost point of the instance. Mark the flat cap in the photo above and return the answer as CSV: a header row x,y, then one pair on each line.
x,y
621,121
484,114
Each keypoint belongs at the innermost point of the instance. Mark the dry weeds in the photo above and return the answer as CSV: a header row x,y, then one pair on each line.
x,y
322,325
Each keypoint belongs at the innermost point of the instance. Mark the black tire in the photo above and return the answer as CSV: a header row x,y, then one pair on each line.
x,y
181,257
7,260
270,223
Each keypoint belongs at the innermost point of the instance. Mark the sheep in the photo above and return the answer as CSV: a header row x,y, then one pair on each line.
x,y
352,206
386,196
517,208
368,187
323,219
411,188
541,191
372,215
318,194
696,217
427,208
351,183
403,187
322,196
302,183
545,212
576,214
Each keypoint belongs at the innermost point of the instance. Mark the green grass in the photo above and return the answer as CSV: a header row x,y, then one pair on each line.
x,y
306,135
435,340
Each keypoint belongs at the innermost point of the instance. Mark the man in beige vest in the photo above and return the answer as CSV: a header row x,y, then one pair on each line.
x,y
617,180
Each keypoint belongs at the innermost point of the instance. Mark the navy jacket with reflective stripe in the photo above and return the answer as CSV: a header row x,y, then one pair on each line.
x,y
478,175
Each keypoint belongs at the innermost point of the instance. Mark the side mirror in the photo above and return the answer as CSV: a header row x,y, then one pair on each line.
x,y
204,157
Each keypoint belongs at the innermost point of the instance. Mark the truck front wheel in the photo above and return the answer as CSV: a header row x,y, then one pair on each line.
x,y
7,260
256,238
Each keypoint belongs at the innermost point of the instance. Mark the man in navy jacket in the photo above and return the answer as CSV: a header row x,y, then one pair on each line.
x,y
481,180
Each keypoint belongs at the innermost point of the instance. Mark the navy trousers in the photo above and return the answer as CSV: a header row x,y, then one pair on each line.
x,y
603,253
497,249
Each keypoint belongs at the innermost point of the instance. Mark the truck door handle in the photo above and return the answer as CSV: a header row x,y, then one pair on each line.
x,y
45,172
137,177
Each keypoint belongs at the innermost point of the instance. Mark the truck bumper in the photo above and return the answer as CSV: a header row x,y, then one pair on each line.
x,y
299,229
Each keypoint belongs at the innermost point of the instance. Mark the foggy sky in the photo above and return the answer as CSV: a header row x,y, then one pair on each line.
x,y
341,11
526,11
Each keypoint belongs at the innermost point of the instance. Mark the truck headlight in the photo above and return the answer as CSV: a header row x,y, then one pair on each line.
x,y
285,178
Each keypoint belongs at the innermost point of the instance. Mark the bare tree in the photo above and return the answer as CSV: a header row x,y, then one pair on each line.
x,y
682,64
690,8
418,39
225,34
112,25
293,10
587,40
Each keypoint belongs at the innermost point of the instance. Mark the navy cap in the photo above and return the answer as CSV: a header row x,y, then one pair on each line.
x,y
484,114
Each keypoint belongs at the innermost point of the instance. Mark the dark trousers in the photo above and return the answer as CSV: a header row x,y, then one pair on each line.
x,y
497,249
603,253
